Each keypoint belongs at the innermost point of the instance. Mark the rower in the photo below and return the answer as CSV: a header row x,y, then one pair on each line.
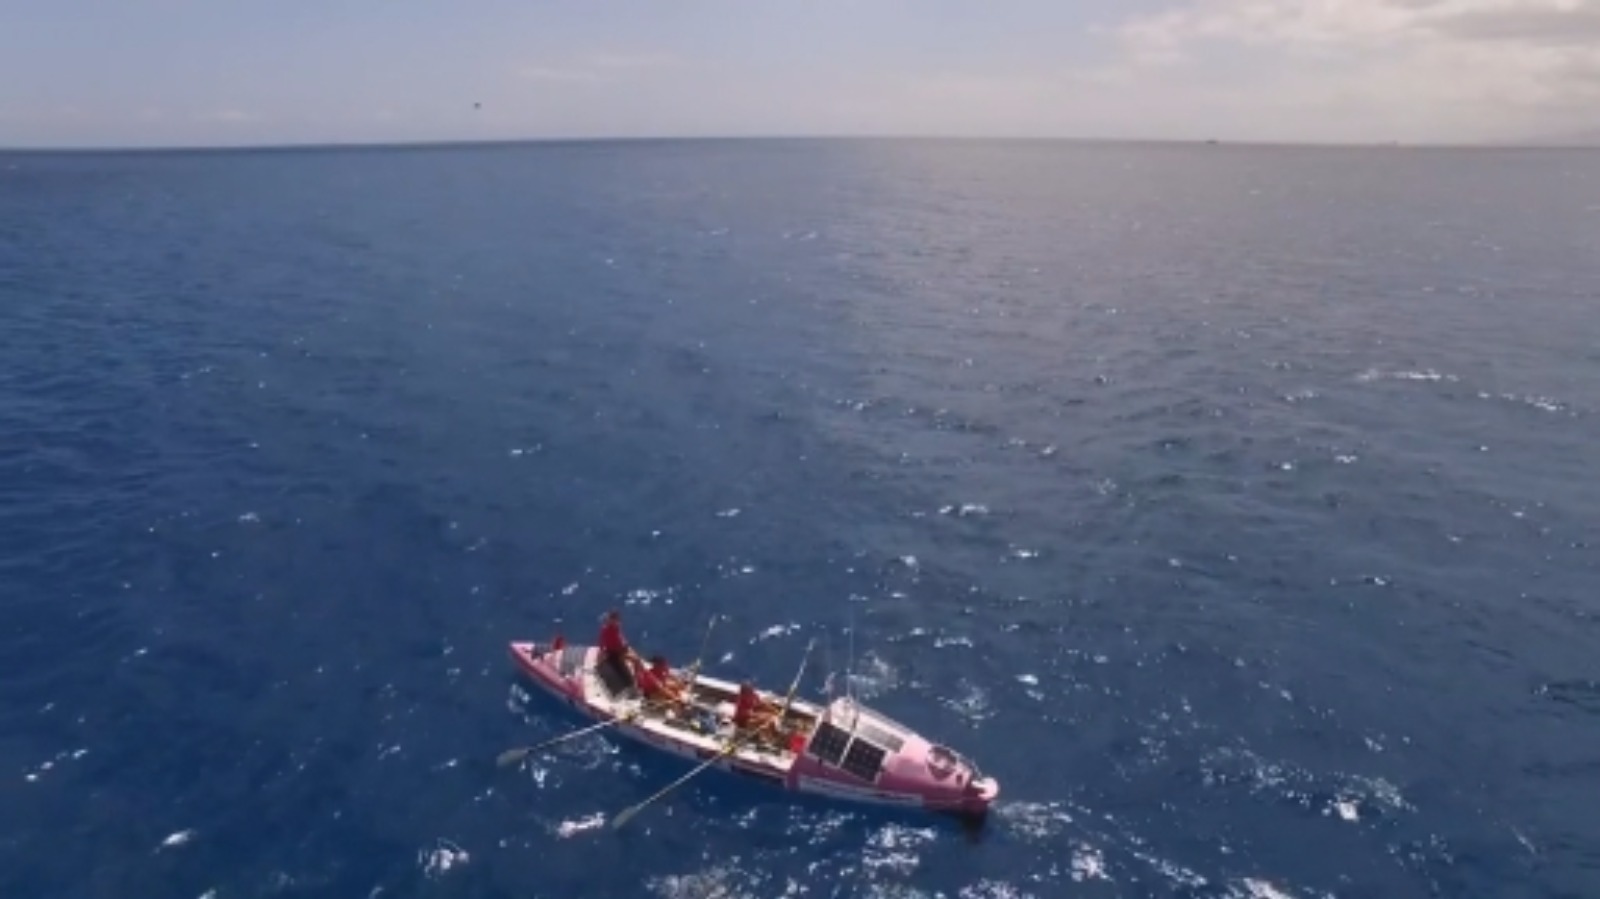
x,y
656,683
614,649
750,712
663,673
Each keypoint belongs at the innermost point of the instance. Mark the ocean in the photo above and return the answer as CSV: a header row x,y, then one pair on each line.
x,y
1236,507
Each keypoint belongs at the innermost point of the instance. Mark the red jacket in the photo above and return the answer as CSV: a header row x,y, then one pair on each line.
x,y
743,709
649,684
611,641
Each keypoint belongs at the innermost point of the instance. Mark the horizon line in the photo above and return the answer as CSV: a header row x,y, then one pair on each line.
x,y
466,143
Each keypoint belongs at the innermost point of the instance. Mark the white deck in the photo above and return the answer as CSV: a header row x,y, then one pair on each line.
x,y
682,739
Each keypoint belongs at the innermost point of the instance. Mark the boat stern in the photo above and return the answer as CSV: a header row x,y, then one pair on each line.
x,y
948,780
981,792
556,667
860,753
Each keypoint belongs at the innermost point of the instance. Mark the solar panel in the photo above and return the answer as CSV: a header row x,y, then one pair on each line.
x,y
829,744
863,760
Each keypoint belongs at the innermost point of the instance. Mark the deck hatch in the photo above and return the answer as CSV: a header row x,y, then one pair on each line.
x,y
878,735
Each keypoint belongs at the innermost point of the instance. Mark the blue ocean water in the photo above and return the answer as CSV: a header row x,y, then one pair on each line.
x,y
1236,507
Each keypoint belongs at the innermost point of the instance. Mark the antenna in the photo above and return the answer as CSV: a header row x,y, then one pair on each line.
x,y
827,663
850,669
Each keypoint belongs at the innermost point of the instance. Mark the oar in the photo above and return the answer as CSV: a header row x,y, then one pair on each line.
x,y
627,814
705,645
789,700
513,756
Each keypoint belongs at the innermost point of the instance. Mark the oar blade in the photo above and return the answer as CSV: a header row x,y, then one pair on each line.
x,y
624,817
512,756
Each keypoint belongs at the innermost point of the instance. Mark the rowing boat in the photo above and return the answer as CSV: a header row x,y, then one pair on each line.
x,y
842,749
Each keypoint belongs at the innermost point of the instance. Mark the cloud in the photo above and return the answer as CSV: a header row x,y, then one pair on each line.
x,y
1343,22
1554,25
1446,69
633,61
556,73
597,68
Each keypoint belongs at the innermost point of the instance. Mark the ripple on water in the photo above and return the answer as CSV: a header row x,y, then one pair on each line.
x,y
573,826
180,838
775,631
1035,820
1088,863
991,889
1349,797
49,765
894,847
873,676
896,891
1255,888
644,596
971,702
441,858
1541,403
539,774
721,880
920,374
965,510
1427,374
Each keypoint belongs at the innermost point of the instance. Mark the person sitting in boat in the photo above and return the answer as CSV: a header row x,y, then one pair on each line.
x,y
614,650
656,683
663,673
750,713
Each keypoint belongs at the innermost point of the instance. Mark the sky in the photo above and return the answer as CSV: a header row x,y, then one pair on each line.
x,y
96,73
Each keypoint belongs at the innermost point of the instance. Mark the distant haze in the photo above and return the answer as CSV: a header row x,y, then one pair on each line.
x,y
183,72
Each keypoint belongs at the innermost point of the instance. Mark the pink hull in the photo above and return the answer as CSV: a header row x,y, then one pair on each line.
x,y
846,751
